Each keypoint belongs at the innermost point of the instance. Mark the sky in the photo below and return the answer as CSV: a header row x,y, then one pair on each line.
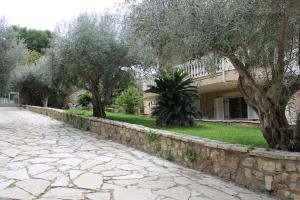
x,y
46,14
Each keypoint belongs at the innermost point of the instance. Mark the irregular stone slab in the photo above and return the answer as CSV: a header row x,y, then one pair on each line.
x,y
5,184
61,181
115,173
64,193
183,180
104,158
36,152
212,192
88,147
11,152
130,167
19,174
38,168
49,175
89,181
89,163
98,196
143,163
15,193
62,150
71,161
42,160
58,155
157,184
179,193
64,168
127,182
33,186
19,158
16,165
133,194
86,155
197,198
74,173
47,142
130,176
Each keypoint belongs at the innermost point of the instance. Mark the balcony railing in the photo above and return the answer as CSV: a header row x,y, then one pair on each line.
x,y
195,69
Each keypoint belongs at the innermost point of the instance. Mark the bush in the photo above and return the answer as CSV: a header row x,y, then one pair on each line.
x,y
129,100
85,99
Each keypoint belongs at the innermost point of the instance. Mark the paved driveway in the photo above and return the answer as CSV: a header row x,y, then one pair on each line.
x,y
41,158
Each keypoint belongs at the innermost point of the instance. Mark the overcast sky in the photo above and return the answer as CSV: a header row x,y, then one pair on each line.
x,y
46,14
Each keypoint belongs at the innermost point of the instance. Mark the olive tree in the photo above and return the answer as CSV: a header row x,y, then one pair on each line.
x,y
12,52
260,38
34,80
92,53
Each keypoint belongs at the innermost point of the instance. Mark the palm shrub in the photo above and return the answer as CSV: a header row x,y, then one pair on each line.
x,y
129,99
174,106
85,99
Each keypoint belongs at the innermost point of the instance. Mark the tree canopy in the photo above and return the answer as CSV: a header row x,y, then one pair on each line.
x,y
12,52
35,80
35,40
92,53
260,38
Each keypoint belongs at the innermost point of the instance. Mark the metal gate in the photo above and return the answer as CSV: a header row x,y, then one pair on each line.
x,y
9,99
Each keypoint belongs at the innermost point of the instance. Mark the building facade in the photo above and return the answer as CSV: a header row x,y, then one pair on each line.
x,y
220,98
9,98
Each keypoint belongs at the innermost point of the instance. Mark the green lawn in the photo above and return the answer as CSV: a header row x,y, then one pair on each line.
x,y
217,131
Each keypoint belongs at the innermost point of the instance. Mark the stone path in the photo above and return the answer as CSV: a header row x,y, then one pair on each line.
x,y
41,158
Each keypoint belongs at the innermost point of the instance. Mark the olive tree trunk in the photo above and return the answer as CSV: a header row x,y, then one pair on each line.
x,y
273,122
98,105
45,101
269,103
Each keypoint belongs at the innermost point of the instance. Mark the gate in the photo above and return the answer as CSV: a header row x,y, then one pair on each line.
x,y
9,99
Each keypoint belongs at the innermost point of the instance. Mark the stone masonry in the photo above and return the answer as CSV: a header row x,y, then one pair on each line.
x,y
274,172
41,158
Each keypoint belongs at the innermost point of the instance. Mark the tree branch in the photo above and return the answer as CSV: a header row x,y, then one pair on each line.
x,y
299,52
243,72
295,86
283,34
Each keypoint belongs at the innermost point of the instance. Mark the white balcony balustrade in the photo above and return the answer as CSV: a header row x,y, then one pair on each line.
x,y
195,69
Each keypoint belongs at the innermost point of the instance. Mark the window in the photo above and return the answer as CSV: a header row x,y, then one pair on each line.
x,y
238,108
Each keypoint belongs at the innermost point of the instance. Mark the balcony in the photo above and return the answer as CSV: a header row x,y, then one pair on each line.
x,y
196,70
224,77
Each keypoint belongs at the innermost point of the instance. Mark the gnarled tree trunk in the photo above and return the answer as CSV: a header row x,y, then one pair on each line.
x,y
98,105
273,122
296,140
45,101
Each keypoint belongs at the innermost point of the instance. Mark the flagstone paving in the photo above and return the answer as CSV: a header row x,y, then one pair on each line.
x,y
41,158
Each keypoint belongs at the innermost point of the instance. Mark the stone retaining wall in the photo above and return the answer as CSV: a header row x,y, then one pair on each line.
x,y
276,172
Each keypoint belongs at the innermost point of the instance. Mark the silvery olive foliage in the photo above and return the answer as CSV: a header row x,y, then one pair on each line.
x,y
35,80
260,38
12,52
93,54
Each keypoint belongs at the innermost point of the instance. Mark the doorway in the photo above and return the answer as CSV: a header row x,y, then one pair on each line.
x,y
238,108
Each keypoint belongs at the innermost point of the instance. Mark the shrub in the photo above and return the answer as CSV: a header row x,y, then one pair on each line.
x,y
176,94
152,136
168,156
191,155
129,100
85,99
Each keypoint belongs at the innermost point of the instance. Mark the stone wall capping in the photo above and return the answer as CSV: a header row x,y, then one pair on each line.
x,y
272,171
275,154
